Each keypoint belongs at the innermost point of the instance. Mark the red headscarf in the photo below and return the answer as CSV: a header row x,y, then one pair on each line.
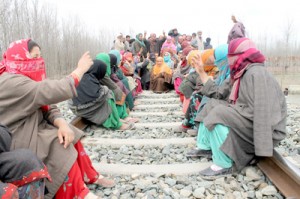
x,y
17,60
127,70
241,53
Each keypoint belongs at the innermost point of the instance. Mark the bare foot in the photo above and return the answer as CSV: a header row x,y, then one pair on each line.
x,y
131,119
126,127
104,182
91,195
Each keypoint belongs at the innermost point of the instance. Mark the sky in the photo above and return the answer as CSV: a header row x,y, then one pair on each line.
x,y
262,18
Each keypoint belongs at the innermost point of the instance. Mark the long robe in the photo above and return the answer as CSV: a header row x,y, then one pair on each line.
x,y
20,102
257,120
158,82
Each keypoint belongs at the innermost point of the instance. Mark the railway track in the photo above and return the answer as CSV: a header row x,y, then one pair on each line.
x,y
107,152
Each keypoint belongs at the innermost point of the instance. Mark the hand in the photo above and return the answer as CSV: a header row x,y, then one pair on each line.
x,y
65,135
84,64
198,64
148,55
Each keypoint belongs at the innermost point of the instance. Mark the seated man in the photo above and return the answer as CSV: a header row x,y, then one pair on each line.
x,y
22,174
250,126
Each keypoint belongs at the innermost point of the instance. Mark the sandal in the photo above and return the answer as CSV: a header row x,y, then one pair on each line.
x,y
104,182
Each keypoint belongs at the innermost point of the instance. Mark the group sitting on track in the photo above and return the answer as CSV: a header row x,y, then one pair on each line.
x,y
231,102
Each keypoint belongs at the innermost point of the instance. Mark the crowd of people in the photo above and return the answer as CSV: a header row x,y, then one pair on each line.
x,y
225,91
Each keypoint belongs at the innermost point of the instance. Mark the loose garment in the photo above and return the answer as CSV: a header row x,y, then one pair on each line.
x,y
20,102
255,124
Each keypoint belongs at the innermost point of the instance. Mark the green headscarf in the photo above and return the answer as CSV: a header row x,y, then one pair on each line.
x,y
138,40
106,59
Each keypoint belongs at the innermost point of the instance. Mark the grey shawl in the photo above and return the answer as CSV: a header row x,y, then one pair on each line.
x,y
96,111
257,121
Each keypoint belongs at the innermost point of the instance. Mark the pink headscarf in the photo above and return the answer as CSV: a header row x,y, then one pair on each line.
x,y
17,60
168,44
241,53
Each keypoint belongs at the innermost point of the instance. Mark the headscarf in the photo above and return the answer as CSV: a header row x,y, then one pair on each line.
x,y
187,50
241,53
191,55
160,69
17,60
167,59
138,40
117,54
221,62
207,57
168,44
106,59
89,87
113,63
127,70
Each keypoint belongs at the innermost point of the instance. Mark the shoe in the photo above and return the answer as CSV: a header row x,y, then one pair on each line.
x,y
210,174
192,132
180,129
199,153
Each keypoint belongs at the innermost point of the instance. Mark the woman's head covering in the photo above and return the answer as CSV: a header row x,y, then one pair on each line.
x,y
17,60
191,55
207,57
117,54
141,42
106,59
89,86
241,53
113,63
127,56
221,62
162,68
167,57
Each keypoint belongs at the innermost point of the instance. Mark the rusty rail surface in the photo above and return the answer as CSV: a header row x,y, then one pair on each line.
x,y
283,174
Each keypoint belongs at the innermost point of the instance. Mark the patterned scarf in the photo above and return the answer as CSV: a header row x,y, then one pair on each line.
x,y
241,53
17,60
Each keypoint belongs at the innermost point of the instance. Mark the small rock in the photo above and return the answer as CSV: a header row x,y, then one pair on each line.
x,y
251,194
135,176
258,195
269,190
252,174
199,192
262,185
171,182
185,193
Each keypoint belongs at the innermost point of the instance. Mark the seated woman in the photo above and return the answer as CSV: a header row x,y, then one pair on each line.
x,y
143,69
117,74
22,174
128,69
191,84
197,99
96,103
120,103
168,46
26,100
161,77
168,60
251,126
